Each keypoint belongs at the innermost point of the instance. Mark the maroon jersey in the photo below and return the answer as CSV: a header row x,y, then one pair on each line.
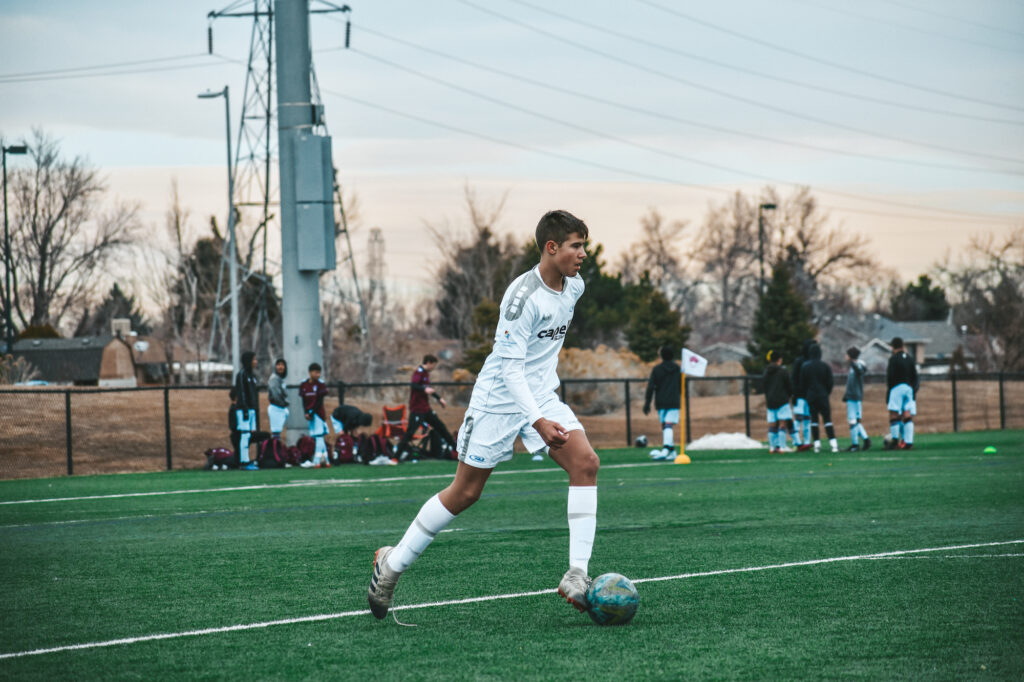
x,y
419,402
313,394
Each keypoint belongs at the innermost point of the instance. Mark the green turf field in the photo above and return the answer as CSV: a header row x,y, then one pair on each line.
x,y
761,560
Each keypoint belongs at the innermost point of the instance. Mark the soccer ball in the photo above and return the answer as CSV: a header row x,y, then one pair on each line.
x,y
641,441
887,443
613,599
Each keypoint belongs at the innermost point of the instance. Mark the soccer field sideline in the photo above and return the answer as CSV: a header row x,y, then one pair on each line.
x,y
495,597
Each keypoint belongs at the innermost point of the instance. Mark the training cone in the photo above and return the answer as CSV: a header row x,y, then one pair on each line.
x,y
682,458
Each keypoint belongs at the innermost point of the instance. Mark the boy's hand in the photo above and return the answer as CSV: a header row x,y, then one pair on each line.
x,y
551,432
647,409
444,403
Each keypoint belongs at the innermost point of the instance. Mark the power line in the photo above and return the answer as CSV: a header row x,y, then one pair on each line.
x,y
670,117
617,139
124,72
973,218
826,62
110,65
960,20
738,98
647,42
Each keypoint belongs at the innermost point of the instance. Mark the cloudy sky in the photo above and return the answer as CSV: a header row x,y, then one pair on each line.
x,y
906,117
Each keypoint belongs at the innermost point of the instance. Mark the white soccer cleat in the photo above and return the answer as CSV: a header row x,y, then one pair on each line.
x,y
573,588
538,457
382,583
308,464
784,449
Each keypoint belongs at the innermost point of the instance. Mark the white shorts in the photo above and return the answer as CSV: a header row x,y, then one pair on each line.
x,y
277,416
901,399
779,414
800,407
668,416
853,411
246,420
316,427
486,438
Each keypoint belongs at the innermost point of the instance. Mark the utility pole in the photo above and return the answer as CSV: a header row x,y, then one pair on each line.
x,y
307,196
760,242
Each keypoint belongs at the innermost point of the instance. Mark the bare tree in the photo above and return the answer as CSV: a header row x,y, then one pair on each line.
x,y
62,239
658,253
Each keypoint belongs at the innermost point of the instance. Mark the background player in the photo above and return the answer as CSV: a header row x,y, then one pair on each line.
x,y
801,413
854,399
664,385
248,397
515,395
902,381
816,381
777,391
420,412
313,391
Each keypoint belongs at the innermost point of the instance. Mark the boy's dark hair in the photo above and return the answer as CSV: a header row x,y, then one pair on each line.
x,y
315,366
429,358
556,226
896,342
667,353
853,352
233,394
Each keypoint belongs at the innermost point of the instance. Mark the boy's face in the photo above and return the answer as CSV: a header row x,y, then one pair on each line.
x,y
254,362
429,366
568,255
314,374
279,368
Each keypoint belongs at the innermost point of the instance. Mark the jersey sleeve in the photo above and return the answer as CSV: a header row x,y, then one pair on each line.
x,y
515,329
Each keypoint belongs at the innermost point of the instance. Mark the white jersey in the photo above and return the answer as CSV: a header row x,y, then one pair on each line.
x,y
534,320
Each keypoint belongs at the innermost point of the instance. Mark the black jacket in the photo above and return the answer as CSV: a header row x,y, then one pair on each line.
x,y
798,391
816,379
247,385
901,370
665,386
777,386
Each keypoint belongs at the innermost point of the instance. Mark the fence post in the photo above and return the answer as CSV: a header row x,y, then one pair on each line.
x,y
686,399
746,405
561,388
67,430
629,416
341,392
167,424
1002,404
952,379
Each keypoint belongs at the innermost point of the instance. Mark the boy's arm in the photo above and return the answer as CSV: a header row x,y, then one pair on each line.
x,y
649,393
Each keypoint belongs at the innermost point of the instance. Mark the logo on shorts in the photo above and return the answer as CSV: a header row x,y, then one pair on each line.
x,y
476,458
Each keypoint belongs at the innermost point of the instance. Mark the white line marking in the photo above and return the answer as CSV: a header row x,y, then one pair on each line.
x,y
473,600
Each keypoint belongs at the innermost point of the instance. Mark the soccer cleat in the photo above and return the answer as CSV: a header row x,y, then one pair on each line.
x,y
906,446
817,448
804,448
538,457
308,464
573,588
783,450
867,444
382,583
835,448
252,466
853,448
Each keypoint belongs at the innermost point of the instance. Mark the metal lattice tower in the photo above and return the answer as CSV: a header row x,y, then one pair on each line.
x,y
375,266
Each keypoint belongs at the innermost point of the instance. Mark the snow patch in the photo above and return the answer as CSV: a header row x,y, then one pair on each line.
x,y
725,441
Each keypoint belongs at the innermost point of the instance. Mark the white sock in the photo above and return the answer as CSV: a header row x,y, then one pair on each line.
x,y
833,443
582,512
666,436
863,431
431,520
908,432
854,433
243,447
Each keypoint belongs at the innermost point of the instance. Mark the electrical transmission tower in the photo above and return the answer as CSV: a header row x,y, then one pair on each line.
x,y
256,199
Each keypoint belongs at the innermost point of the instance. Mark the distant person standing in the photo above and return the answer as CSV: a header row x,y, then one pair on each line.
x,y
420,412
313,392
247,387
854,399
277,410
816,382
902,382
778,389
665,387
236,435
801,412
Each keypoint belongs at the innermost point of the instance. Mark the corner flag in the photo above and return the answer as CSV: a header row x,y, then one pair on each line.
x,y
693,364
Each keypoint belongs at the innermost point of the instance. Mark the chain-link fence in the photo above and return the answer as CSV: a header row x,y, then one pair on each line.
x,y
55,431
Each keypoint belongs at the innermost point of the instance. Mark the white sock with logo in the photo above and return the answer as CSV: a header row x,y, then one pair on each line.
x,y
582,512
431,520
666,436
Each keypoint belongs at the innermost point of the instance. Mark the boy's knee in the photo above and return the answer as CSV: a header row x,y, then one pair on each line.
x,y
588,464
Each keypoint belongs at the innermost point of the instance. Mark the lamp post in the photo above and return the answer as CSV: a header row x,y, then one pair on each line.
x,y
8,326
760,239
233,269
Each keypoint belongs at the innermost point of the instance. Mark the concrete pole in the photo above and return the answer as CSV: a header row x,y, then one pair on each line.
x,y
300,315
236,353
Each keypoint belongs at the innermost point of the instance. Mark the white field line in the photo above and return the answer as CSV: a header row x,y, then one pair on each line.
x,y
485,598
306,484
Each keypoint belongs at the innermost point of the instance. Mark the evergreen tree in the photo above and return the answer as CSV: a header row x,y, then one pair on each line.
x,y
920,301
115,305
652,322
603,312
781,323
481,340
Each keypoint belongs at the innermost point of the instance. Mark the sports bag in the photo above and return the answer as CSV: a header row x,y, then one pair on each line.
x,y
344,448
219,458
272,454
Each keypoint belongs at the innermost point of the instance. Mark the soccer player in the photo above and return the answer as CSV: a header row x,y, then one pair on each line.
x,y
420,411
777,391
277,410
902,382
313,391
816,382
801,413
664,385
247,389
514,395
854,399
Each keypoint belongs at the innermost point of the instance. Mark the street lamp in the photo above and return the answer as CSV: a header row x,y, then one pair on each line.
x,y
231,230
8,327
760,239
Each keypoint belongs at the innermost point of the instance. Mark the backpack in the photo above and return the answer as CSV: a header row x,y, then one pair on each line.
x,y
292,455
219,458
344,448
371,447
272,454
306,446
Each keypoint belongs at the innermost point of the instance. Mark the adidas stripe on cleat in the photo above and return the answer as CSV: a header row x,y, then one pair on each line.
x,y
382,583
573,588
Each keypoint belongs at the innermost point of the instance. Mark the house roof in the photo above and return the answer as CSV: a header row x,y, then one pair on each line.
x,y
147,350
65,360
942,338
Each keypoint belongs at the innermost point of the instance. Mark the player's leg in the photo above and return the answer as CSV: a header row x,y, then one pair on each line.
x,y
852,410
814,410
773,431
830,431
401,450
580,461
440,428
669,419
784,417
907,418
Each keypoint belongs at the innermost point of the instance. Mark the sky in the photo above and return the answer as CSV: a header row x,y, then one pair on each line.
x,y
905,117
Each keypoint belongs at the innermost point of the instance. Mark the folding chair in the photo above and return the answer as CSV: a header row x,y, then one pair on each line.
x,y
394,423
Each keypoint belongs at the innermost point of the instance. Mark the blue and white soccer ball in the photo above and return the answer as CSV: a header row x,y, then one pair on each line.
x,y
641,441
612,599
